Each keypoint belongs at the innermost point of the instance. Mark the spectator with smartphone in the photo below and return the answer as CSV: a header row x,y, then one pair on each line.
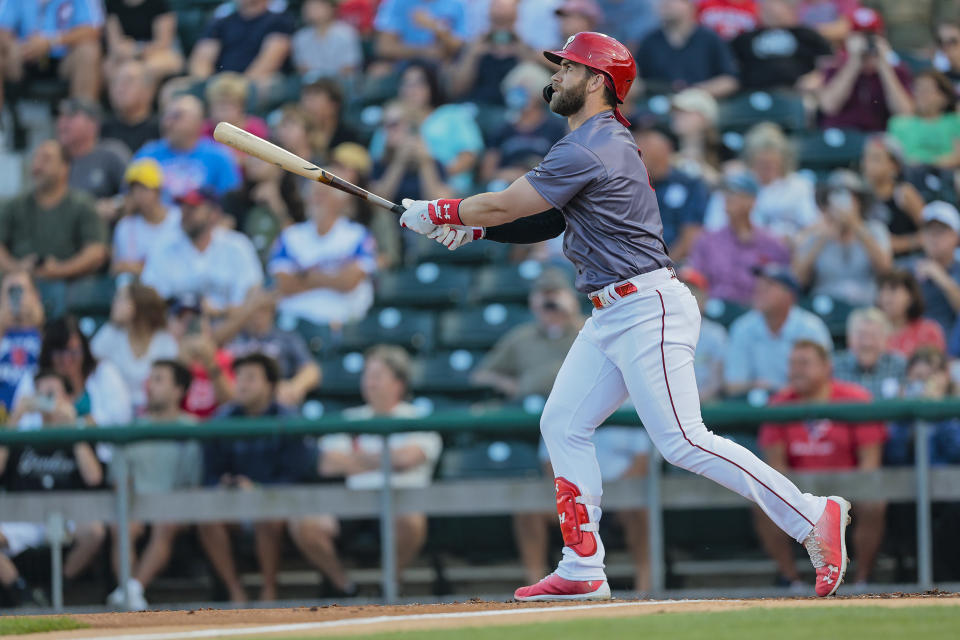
x,y
21,320
843,253
866,84
51,231
96,387
49,468
210,366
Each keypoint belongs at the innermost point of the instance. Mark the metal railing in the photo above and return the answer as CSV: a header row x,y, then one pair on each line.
x,y
655,492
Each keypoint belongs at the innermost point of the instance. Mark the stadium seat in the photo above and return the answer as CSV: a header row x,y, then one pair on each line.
x,y
423,249
829,148
723,311
506,284
408,328
497,459
92,295
741,112
192,17
426,285
447,373
318,337
341,377
480,328
833,312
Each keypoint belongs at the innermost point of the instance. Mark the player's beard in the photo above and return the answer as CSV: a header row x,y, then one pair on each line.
x,y
566,102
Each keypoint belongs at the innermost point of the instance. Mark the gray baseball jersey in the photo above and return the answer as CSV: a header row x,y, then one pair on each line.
x,y
595,177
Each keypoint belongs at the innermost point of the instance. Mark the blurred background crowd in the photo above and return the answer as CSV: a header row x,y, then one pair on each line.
x,y
806,160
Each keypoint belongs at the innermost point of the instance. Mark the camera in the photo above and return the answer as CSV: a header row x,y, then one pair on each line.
x,y
871,43
551,305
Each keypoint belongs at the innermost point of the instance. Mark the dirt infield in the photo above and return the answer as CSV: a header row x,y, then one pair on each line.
x,y
342,620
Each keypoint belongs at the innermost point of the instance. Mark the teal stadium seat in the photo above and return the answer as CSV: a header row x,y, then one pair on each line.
x,y
423,249
447,373
428,285
506,284
408,328
480,328
91,295
829,149
341,377
741,112
497,459
318,337
833,312
723,311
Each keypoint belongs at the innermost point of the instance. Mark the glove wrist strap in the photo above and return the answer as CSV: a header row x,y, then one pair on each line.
x,y
445,211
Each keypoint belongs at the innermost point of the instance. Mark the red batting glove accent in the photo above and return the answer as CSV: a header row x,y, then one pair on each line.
x,y
478,233
445,211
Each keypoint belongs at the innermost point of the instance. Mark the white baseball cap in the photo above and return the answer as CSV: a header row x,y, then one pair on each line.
x,y
942,212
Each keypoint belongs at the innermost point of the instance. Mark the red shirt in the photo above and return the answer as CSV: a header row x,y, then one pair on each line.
x,y
823,444
729,18
922,332
866,108
201,399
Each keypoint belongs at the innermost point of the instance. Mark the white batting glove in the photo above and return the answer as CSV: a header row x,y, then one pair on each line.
x,y
417,216
455,236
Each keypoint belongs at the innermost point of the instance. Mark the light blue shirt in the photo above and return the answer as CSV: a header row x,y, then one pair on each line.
x,y
396,16
208,164
754,354
711,349
49,18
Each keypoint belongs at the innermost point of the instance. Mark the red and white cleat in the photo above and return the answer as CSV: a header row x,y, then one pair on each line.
x,y
827,546
553,588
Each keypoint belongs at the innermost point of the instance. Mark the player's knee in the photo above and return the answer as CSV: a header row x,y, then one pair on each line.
x,y
685,449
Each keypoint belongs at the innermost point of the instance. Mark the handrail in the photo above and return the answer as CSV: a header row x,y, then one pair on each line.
x,y
733,416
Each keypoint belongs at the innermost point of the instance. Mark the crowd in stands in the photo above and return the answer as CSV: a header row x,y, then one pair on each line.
x,y
805,156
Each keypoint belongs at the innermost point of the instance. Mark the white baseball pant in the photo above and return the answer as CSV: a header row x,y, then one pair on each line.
x,y
642,346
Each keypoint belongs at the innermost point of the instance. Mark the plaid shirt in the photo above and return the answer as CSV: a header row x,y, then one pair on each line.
x,y
882,381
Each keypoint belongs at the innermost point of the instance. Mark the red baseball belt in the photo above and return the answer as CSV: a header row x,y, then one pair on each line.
x,y
622,290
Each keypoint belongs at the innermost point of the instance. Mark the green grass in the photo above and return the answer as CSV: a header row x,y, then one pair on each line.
x,y
22,624
848,623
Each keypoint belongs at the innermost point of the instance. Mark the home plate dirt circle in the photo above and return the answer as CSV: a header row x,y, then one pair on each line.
x,y
347,620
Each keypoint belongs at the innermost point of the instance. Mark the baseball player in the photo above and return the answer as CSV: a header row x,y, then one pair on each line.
x,y
641,337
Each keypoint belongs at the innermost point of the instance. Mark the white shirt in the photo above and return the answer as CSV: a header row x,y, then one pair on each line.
x,y
784,207
134,238
429,442
113,344
222,274
300,248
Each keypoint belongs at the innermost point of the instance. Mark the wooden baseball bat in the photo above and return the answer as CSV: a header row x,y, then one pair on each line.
x,y
257,147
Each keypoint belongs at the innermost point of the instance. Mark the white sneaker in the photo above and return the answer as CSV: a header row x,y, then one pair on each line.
x,y
135,591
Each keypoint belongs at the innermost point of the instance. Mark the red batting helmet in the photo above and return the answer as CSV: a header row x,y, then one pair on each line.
x,y
604,55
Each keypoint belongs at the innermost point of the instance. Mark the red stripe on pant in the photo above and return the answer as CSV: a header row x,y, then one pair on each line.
x,y
663,359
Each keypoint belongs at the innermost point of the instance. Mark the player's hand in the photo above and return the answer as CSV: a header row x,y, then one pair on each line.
x,y
455,236
417,216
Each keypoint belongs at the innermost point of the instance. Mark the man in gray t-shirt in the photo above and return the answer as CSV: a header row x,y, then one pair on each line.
x,y
641,339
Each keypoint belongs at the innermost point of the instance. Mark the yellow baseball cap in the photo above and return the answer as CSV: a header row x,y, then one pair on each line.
x,y
145,171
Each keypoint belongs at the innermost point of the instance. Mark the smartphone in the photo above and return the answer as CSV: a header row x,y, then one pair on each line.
x,y
195,325
840,199
15,298
44,404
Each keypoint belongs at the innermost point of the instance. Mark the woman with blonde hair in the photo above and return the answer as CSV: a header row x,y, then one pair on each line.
x,y
226,95
786,202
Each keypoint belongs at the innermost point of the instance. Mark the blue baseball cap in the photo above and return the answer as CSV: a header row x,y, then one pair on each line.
x,y
741,182
780,273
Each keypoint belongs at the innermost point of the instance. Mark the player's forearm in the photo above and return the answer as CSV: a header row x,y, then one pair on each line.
x,y
529,230
487,210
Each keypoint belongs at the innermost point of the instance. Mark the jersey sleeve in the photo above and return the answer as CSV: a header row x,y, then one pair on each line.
x,y
280,259
566,170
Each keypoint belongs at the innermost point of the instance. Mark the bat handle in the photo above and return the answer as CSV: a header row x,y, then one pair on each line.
x,y
398,209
